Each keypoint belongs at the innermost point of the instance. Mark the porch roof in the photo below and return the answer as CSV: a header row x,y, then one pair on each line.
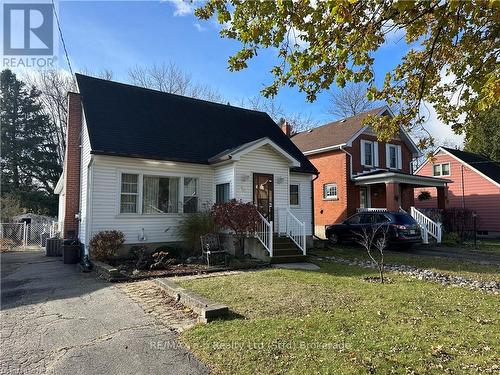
x,y
385,176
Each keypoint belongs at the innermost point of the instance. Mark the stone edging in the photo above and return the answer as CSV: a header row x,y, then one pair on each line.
x,y
206,309
421,274
107,272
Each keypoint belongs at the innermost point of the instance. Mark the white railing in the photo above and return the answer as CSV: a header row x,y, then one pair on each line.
x,y
264,234
429,227
296,231
371,209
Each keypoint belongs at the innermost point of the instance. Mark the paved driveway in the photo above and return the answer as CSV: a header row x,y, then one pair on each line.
x,y
57,320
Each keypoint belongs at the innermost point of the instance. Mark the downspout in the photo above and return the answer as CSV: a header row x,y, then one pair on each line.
x,y
312,207
350,161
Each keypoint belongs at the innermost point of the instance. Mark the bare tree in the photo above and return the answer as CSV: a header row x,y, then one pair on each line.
x,y
298,121
350,101
105,73
374,238
54,86
172,79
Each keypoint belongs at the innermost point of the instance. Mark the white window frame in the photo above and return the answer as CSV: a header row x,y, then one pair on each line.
x,y
399,157
332,197
198,194
299,201
440,167
374,150
138,202
140,183
228,183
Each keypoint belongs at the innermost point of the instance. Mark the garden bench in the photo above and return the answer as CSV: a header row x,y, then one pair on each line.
x,y
210,245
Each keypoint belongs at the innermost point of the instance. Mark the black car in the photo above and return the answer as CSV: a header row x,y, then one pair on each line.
x,y
402,229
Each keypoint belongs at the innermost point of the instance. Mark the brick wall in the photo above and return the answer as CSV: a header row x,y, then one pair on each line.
x,y
333,167
72,165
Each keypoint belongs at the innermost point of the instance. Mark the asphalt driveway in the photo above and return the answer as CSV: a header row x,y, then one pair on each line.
x,y
57,320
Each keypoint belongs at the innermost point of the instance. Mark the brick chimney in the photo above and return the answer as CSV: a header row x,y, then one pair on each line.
x,y
72,166
286,128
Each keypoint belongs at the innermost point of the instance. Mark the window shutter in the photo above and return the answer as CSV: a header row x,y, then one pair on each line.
x,y
362,153
375,154
400,160
387,156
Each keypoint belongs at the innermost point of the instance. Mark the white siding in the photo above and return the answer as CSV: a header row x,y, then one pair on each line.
x,y
60,211
106,194
303,211
85,160
225,174
263,160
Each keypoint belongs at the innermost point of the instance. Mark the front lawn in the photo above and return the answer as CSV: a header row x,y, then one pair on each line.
x,y
445,265
332,321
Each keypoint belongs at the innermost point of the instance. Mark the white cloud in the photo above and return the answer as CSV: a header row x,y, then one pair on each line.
x,y
198,27
441,132
182,7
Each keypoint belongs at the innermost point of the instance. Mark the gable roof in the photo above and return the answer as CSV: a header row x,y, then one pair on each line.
x,y
341,133
487,167
125,120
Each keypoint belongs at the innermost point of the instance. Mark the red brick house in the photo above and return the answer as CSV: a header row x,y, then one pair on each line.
x,y
356,171
474,184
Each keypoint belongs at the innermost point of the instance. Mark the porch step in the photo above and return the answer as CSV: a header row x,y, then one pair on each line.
x,y
287,251
288,259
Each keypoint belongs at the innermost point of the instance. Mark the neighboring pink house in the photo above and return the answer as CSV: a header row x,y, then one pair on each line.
x,y
475,184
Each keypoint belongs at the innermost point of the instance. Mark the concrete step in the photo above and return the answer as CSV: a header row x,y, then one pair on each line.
x,y
288,259
288,251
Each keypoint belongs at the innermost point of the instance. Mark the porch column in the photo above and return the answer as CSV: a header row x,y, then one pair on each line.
x,y
391,196
441,197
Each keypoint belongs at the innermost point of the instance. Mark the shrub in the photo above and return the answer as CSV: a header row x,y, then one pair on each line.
x,y
450,239
241,218
459,220
105,244
424,196
194,226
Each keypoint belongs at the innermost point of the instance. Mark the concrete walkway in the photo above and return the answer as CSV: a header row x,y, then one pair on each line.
x,y
56,320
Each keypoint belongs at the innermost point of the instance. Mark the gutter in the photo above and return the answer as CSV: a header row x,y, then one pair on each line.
x,y
312,206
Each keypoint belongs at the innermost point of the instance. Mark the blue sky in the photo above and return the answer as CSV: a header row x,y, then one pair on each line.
x,y
117,35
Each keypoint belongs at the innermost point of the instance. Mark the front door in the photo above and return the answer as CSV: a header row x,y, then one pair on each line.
x,y
263,194
363,197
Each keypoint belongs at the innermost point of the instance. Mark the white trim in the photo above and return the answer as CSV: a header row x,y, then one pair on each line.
x,y
363,155
333,197
298,192
395,177
245,149
324,149
375,154
462,162
441,169
399,157
60,184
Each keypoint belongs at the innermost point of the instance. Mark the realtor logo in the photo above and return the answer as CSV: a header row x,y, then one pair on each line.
x,y
28,29
30,38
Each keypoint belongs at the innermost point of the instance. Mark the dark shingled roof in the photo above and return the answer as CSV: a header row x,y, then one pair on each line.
x,y
333,133
488,167
125,120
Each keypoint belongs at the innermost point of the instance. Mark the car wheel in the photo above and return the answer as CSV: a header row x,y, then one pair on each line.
x,y
334,239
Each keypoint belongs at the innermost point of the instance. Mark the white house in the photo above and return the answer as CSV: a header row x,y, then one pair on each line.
x,y
140,160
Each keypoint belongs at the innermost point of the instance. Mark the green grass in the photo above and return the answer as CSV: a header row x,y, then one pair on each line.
x,y
332,321
490,246
443,265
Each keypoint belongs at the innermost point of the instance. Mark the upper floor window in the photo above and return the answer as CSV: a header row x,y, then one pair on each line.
x,y
330,191
294,195
129,193
441,169
367,153
393,156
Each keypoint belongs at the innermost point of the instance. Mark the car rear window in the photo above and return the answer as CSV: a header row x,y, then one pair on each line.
x,y
404,219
